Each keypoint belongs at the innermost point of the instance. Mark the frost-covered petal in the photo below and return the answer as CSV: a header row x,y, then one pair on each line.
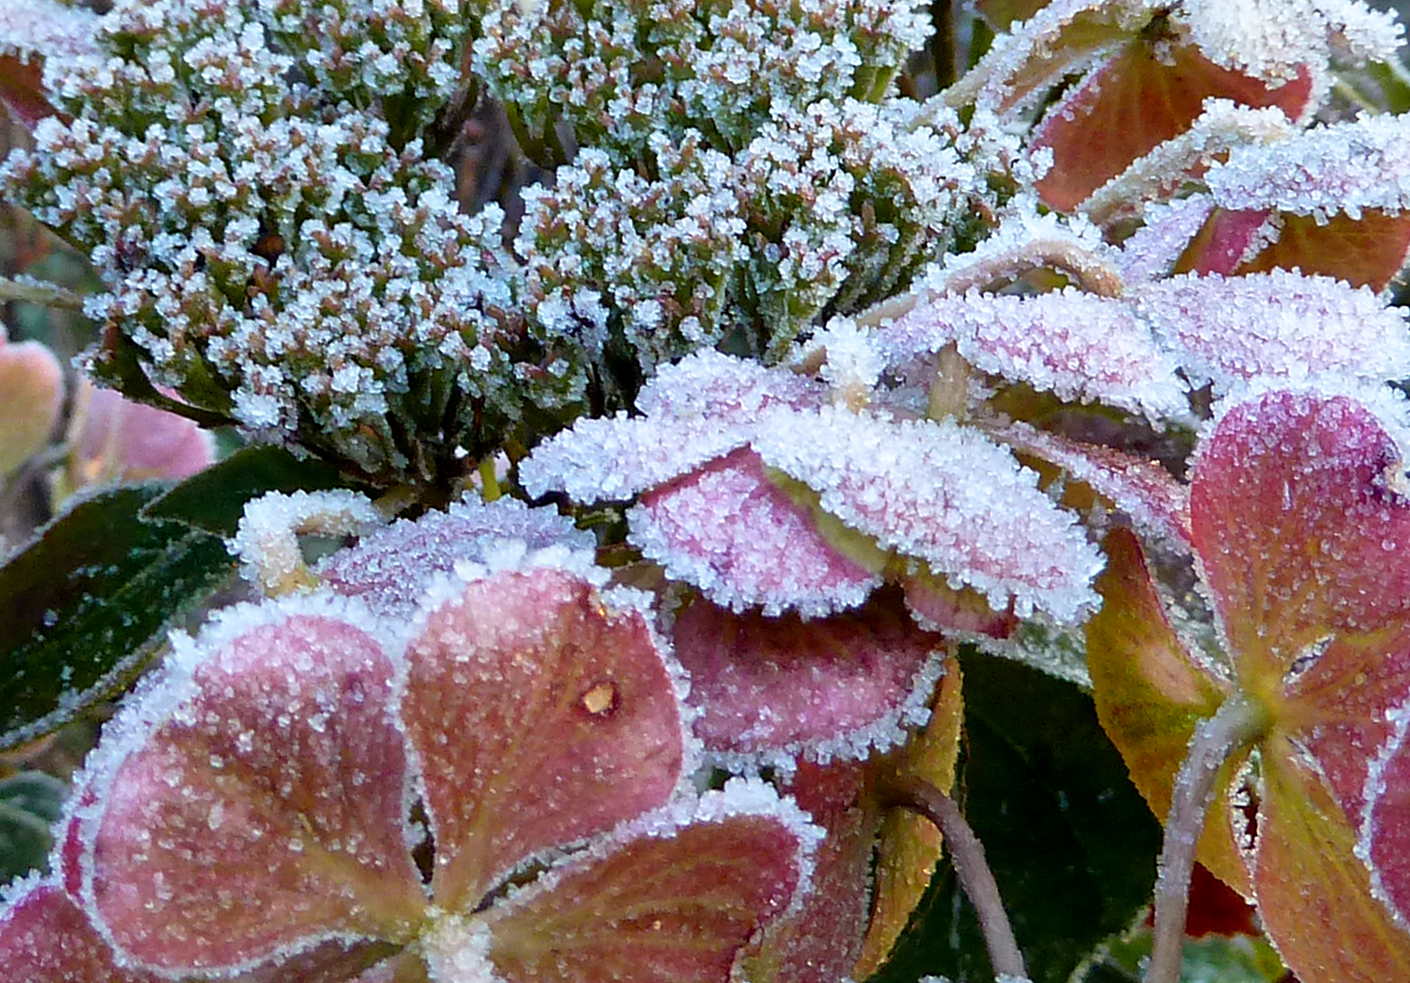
x,y
1280,325
1299,517
1148,93
392,567
711,386
1384,843
541,711
616,458
836,687
1150,497
699,409
1314,894
670,898
1304,537
255,803
821,939
745,543
46,938
943,494
1339,193
1077,345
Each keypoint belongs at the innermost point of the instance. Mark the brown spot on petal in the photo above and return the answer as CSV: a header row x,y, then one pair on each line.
x,y
599,699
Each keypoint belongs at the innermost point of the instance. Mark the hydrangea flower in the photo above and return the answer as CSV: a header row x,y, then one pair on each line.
x,y
1299,522
496,791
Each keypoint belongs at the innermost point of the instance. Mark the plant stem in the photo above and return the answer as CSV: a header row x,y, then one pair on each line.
x,y
967,856
38,292
1236,724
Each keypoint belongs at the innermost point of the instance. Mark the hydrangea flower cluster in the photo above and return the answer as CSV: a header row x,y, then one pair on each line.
x,y
819,389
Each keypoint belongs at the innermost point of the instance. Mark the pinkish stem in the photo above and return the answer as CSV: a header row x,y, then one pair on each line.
x,y
1235,725
967,857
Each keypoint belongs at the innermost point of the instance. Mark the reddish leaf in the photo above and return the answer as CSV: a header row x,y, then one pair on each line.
x,y
539,716
1143,96
1227,241
1365,251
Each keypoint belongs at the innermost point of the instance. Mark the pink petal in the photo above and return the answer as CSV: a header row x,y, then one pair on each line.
x,y
392,568
670,899
943,494
1385,832
262,810
1300,524
115,438
821,941
836,687
31,395
1230,239
1304,540
1077,345
699,409
738,537
1150,496
45,938
541,712
1276,325
1152,251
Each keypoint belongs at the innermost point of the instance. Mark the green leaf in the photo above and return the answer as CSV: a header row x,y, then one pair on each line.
x,y
81,606
1071,843
30,803
214,499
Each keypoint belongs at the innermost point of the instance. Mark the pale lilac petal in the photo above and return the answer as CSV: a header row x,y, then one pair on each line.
x,y
708,385
541,711
829,688
1278,325
46,938
1077,345
255,803
669,898
699,409
944,494
1340,167
737,536
1152,251
391,568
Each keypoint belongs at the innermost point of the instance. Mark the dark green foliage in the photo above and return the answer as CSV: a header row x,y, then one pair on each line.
x,y
1071,843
